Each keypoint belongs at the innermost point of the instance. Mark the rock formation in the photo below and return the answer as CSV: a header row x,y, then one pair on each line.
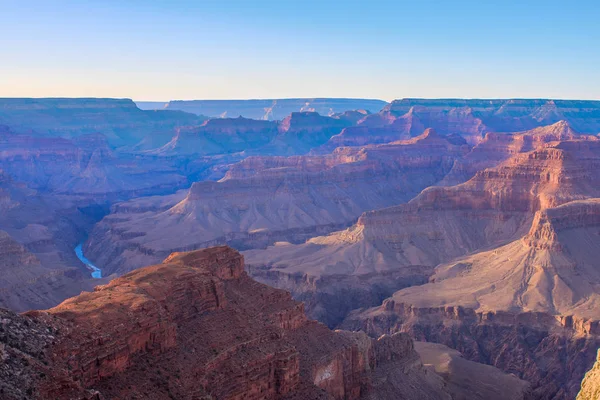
x,y
296,134
26,283
270,109
471,119
218,136
267,199
493,208
469,380
118,119
590,386
552,353
85,166
552,269
196,326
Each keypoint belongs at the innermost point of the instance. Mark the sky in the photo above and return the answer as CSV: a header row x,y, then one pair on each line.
x,y
239,49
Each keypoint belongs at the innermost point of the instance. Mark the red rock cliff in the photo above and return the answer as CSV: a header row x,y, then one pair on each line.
x,y
196,326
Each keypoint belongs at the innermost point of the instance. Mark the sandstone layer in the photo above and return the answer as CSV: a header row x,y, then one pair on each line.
x,y
196,326
495,207
471,119
552,269
267,199
590,386
552,353
296,134
467,379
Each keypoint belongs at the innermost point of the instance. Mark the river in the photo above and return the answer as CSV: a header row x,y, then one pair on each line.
x,y
96,272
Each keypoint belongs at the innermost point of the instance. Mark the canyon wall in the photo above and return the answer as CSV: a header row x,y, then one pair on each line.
x,y
547,351
266,199
198,326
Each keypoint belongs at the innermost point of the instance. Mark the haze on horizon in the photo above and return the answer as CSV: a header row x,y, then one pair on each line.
x,y
234,49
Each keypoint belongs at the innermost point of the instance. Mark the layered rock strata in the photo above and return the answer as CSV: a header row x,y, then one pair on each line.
x,y
262,200
471,119
494,208
590,386
197,326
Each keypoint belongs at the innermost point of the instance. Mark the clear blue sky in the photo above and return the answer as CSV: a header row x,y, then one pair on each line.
x,y
178,49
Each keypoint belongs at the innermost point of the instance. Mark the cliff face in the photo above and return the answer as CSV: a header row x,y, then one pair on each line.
x,y
548,352
38,233
85,166
495,206
471,119
302,131
198,326
498,147
26,283
296,134
466,379
492,209
509,306
217,136
264,199
513,115
118,119
590,386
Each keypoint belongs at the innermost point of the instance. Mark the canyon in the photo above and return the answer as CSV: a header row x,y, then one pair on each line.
x,y
197,326
471,118
434,241
262,199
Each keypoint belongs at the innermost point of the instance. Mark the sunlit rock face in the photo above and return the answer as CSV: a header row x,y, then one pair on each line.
x,y
267,199
590,386
198,324
495,207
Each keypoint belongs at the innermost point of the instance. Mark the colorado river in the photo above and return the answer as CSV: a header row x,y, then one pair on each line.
x,y
96,272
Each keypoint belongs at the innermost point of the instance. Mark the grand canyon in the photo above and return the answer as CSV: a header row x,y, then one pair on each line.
x,y
299,249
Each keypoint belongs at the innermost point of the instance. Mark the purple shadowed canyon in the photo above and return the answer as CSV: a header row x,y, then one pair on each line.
x,y
316,200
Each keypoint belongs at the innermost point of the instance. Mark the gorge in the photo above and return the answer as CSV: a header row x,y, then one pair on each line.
x,y
389,253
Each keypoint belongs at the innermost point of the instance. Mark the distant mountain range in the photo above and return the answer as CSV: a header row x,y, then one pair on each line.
x,y
266,109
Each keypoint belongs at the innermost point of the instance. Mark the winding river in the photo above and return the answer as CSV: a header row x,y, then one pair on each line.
x,y
96,272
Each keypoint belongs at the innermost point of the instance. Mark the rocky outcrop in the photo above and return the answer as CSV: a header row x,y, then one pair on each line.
x,y
509,306
548,223
496,206
271,109
267,199
387,127
590,386
466,379
86,166
218,136
25,344
26,284
536,347
498,147
301,131
296,134
512,115
552,269
38,234
197,326
472,119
